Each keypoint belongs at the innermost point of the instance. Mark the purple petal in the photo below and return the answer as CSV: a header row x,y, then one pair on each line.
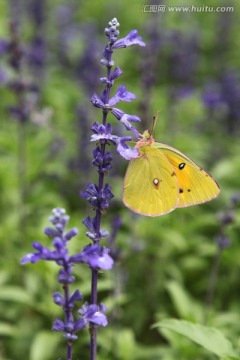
x,y
95,256
89,223
116,73
71,233
33,258
80,324
58,325
122,95
117,113
131,39
125,119
58,299
99,319
125,150
96,101
76,296
51,232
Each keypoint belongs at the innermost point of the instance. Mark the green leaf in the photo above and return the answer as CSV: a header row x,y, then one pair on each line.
x,y
184,304
44,345
15,293
7,330
209,338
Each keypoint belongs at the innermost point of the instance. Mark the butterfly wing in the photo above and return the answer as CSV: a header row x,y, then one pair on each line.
x,y
150,185
196,186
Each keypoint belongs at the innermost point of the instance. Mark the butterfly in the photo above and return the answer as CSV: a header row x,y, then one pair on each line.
x,y
162,179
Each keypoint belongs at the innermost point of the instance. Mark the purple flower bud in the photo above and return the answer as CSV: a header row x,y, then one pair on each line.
x,y
102,161
71,233
70,337
58,325
51,232
96,101
76,296
65,277
59,219
116,73
99,199
58,299
90,223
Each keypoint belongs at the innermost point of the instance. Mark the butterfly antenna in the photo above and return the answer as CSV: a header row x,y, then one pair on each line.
x,y
155,119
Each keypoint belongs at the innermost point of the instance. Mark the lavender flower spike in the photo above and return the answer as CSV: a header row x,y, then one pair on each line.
x,y
59,254
100,194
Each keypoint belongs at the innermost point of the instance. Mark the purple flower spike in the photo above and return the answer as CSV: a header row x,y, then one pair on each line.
x,y
95,256
131,39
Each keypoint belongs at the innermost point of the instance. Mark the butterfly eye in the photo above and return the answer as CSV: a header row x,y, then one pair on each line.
x,y
181,166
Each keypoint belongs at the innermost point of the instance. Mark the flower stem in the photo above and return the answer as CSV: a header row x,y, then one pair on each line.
x,y
68,316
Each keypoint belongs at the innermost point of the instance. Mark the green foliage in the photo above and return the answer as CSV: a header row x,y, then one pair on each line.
x,y
209,338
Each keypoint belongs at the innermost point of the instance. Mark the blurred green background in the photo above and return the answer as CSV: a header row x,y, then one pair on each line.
x,y
189,71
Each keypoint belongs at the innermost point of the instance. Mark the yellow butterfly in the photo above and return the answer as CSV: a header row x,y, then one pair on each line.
x,y
162,179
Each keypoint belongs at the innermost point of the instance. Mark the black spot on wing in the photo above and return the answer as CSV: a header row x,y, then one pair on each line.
x,y
181,166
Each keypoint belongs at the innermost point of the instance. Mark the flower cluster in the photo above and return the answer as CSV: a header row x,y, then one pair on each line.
x,y
24,88
95,256
99,195
223,97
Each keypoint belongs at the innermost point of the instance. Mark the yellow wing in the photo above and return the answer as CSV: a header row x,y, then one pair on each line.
x,y
196,186
150,185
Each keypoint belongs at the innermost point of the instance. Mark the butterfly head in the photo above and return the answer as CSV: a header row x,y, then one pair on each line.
x,y
145,139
